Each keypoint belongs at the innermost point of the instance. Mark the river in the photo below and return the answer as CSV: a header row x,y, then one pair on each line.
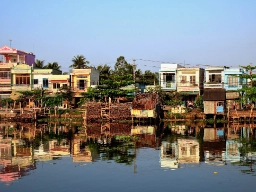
x,y
125,157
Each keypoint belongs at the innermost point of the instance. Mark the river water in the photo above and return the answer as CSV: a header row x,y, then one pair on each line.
x,y
125,157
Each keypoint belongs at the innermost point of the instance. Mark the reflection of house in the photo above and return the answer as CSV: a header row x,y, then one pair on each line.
x,y
169,155
81,155
137,130
56,148
188,151
213,134
178,129
232,150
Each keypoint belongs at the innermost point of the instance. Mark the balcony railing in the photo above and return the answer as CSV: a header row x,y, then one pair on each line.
x,y
21,87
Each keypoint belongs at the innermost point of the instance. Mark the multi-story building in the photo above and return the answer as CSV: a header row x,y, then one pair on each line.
x,y
81,80
190,82
168,77
21,77
41,78
58,81
11,57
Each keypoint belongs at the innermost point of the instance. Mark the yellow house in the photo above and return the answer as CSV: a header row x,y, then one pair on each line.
x,y
81,80
21,78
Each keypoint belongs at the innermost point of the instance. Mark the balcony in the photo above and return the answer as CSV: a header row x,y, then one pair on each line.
x,y
168,85
6,65
21,87
5,88
213,85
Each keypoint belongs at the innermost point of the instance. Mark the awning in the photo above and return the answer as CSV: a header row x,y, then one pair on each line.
x,y
58,81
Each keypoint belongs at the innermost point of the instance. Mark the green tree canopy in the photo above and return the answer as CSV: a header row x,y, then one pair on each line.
x,y
79,62
53,65
39,63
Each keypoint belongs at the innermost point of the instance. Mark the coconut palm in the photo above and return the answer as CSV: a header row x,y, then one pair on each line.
x,y
79,62
39,63
53,65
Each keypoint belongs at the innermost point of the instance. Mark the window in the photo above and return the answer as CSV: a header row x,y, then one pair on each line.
x,y
45,83
232,81
183,79
22,79
35,81
192,79
5,75
64,85
56,85
215,78
81,84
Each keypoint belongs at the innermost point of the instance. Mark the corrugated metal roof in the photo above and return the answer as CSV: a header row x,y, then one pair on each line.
x,y
145,101
215,94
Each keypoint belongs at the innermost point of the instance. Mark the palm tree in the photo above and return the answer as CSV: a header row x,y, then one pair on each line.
x,y
105,71
53,65
39,63
79,62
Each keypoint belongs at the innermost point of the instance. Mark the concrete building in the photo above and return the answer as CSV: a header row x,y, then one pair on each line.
x,y
81,80
168,77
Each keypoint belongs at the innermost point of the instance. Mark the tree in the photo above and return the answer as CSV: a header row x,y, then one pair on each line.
x,y
53,65
105,72
79,62
250,76
39,63
122,67
66,93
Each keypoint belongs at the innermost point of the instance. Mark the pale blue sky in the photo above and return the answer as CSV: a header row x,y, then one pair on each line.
x,y
207,32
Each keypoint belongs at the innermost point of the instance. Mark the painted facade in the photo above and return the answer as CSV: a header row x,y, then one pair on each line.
x,y
58,81
190,80
168,77
21,78
231,81
41,78
214,77
81,80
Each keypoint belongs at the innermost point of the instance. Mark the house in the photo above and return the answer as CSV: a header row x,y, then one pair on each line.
x,y
41,78
190,82
214,101
21,78
168,77
58,81
10,58
214,77
81,80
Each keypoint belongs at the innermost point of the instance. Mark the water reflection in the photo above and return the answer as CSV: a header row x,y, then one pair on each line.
x,y
22,146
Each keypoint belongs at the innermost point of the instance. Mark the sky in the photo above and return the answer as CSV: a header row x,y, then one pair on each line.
x,y
190,32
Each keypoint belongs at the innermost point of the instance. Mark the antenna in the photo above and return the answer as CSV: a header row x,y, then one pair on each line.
x,y
10,43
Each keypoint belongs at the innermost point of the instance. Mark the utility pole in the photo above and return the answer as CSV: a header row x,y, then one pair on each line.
x,y
134,78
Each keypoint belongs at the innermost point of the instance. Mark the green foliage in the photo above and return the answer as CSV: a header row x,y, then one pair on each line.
x,y
66,93
173,99
79,62
53,65
9,101
39,63
199,103
52,101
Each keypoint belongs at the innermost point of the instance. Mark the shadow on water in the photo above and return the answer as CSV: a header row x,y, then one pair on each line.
x,y
24,145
